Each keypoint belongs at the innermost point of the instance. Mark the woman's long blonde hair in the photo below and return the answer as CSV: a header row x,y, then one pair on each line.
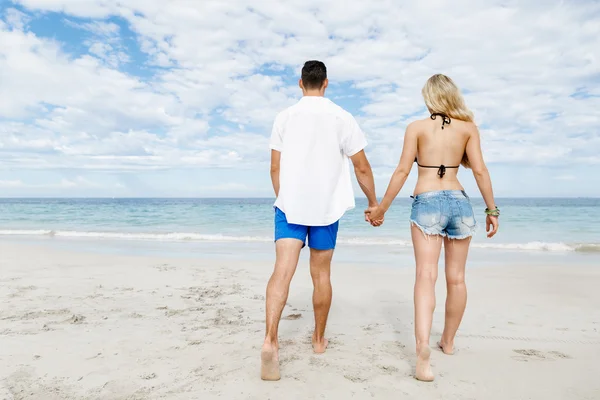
x,y
442,96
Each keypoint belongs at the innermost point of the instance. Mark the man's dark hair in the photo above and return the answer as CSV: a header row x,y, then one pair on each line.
x,y
314,74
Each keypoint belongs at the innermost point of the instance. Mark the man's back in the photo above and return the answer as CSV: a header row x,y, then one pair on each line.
x,y
315,138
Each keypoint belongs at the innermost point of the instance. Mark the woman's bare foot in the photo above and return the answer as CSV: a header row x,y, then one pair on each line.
x,y
320,347
269,363
445,348
423,372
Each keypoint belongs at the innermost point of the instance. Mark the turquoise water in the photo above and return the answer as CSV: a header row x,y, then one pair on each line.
x,y
527,225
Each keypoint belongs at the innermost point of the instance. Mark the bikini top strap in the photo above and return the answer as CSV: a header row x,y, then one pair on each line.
x,y
445,119
441,168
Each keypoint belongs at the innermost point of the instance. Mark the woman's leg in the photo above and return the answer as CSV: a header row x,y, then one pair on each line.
x,y
427,253
456,300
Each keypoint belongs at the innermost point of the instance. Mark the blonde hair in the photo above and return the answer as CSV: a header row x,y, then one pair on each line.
x,y
442,96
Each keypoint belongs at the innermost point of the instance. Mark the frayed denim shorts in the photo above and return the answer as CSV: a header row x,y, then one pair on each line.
x,y
446,213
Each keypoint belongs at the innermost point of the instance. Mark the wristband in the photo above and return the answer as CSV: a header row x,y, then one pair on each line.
x,y
493,213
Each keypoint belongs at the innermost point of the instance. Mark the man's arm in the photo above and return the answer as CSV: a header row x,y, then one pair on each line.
x,y
364,176
275,159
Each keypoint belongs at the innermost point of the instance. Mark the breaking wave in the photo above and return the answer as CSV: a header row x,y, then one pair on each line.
x,y
200,237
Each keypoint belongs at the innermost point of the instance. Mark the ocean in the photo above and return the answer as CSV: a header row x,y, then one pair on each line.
x,y
528,226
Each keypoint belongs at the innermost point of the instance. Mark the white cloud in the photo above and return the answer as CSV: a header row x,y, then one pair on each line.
x,y
566,178
226,187
11,184
108,53
102,28
16,19
213,74
78,182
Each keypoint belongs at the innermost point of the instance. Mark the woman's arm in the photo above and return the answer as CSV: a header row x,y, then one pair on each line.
x,y
480,171
407,159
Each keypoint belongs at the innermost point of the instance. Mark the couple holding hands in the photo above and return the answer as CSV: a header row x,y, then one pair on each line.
x,y
310,145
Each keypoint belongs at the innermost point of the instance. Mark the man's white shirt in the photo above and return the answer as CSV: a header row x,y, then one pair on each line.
x,y
316,137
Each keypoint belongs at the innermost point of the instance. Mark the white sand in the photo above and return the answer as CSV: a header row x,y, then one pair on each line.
x,y
86,326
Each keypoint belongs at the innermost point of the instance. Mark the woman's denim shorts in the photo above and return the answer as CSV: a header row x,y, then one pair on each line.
x,y
445,213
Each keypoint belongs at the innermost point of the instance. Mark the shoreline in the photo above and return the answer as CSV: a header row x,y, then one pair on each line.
x,y
362,239
80,325
263,251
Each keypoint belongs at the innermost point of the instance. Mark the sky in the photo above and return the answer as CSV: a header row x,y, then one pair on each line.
x,y
148,98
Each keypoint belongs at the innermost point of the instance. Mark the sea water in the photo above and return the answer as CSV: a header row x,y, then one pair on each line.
x,y
548,227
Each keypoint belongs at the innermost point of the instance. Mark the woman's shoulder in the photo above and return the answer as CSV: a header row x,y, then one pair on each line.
x,y
420,121
417,124
470,126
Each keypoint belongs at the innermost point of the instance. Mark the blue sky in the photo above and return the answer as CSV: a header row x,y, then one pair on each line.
x,y
140,98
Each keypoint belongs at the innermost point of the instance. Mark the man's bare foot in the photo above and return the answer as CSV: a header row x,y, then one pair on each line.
x,y
423,372
269,364
445,348
320,347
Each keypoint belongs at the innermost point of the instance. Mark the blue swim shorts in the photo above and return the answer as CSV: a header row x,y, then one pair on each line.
x,y
319,237
446,213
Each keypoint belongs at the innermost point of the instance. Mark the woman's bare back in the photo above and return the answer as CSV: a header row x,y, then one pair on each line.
x,y
438,147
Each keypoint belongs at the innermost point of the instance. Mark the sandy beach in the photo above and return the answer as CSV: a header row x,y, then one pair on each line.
x,y
78,325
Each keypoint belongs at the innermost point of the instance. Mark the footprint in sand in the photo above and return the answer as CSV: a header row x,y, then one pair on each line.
x,y
21,290
292,317
559,355
396,349
317,362
226,316
526,355
289,359
77,319
371,328
355,378
165,268
286,343
388,369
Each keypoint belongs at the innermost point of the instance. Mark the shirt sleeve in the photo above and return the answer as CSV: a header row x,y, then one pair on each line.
x,y
276,142
354,139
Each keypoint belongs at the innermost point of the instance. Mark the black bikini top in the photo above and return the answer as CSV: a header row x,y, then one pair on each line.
x,y
442,168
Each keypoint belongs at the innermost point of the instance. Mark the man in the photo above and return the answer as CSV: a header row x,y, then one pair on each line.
x,y
310,146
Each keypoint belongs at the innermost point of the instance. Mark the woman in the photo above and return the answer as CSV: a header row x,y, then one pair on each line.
x,y
441,211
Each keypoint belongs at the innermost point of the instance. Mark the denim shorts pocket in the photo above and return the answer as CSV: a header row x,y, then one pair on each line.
x,y
426,213
467,215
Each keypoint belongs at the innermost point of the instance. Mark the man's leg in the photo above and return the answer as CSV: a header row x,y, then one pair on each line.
x,y
287,254
322,241
320,271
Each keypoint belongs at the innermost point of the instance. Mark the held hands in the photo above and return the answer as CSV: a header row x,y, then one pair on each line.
x,y
374,215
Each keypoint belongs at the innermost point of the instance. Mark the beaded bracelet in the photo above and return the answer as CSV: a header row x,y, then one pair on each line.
x,y
493,213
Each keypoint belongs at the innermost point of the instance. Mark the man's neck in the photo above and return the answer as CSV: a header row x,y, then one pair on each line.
x,y
313,93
